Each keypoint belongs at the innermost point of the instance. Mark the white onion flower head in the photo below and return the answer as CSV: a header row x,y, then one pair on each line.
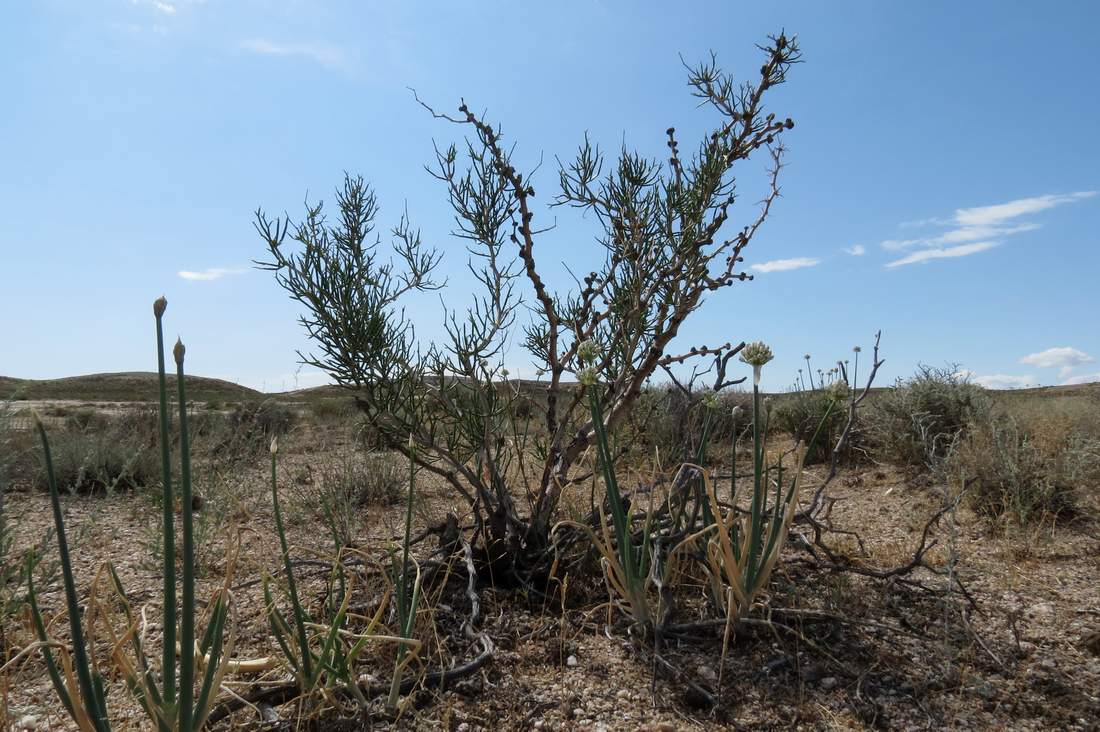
x,y
710,400
587,351
838,390
756,354
587,376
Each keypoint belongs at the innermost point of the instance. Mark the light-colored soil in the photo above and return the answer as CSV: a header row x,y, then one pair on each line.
x,y
868,653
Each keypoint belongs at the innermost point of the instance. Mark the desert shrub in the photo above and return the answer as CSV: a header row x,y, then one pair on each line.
x,y
86,418
664,229
1024,472
262,420
331,409
801,413
916,421
672,421
104,459
337,492
14,563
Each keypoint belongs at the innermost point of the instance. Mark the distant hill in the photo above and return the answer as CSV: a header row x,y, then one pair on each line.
x,y
141,386
134,386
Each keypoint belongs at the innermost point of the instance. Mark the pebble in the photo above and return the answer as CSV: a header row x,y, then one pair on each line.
x,y
828,683
28,722
464,727
571,661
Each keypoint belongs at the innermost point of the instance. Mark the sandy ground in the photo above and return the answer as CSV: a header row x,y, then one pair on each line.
x,y
868,653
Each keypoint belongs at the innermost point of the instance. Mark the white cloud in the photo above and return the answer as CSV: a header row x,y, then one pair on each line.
x,y
1003,381
1001,212
1062,357
206,275
856,250
1082,379
324,54
972,230
162,6
783,265
925,255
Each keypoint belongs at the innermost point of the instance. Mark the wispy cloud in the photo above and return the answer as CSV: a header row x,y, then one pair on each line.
x,y
1082,379
324,54
783,265
162,6
1003,381
972,230
856,250
924,255
214,273
1001,212
1064,358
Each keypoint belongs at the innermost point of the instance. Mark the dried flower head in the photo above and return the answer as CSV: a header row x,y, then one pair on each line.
x,y
756,354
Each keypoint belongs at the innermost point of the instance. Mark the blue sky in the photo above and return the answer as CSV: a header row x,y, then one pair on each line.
x,y
941,180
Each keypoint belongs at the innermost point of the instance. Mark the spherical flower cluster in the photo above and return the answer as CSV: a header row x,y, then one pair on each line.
x,y
838,391
587,376
587,351
710,400
756,354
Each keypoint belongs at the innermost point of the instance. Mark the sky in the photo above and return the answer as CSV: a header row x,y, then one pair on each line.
x,y
941,184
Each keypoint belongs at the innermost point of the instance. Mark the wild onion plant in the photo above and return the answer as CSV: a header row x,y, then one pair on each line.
x,y
407,579
172,705
742,549
326,659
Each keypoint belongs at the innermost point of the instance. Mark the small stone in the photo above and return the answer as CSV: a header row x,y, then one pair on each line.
x,y
666,727
27,722
578,713
571,661
623,694
829,683
707,673
464,727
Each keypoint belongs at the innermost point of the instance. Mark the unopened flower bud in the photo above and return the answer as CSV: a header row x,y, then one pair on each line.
x,y
178,352
159,306
274,446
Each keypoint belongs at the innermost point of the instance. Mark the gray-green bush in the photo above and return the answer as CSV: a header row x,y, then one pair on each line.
x,y
916,421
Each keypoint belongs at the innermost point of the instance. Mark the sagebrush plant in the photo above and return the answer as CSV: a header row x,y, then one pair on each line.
x,y
662,228
169,699
1024,473
672,420
13,563
344,485
810,407
915,421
